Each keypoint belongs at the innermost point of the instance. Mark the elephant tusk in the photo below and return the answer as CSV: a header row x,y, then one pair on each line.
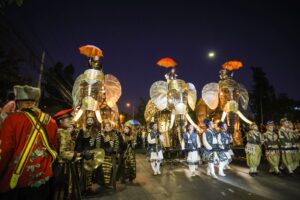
x,y
172,119
78,115
223,116
98,116
243,117
192,122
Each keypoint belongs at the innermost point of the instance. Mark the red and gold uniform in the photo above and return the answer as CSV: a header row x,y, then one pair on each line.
x,y
14,135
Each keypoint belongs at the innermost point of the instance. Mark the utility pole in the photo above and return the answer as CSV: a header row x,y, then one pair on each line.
x,y
41,71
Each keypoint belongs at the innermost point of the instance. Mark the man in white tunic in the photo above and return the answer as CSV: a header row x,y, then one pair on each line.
x,y
191,144
155,141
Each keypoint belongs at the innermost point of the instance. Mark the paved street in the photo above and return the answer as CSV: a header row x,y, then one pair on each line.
x,y
175,183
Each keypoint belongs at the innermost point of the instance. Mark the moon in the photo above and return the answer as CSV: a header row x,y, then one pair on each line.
x,y
211,54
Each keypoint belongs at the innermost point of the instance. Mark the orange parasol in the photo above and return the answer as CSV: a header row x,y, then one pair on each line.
x,y
91,51
166,62
232,65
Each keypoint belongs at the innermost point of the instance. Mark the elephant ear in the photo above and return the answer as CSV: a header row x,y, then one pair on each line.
x,y
113,89
159,94
192,95
150,111
77,90
210,95
244,97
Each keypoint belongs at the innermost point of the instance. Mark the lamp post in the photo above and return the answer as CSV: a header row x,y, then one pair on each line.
x,y
211,54
128,105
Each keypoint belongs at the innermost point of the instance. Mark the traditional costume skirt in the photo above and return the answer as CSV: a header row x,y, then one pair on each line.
x,y
229,154
107,169
130,164
214,156
193,157
156,153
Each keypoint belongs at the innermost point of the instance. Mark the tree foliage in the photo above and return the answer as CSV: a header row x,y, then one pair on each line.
x,y
10,74
264,103
57,87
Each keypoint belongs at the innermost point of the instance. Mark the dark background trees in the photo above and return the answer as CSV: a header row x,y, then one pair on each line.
x,y
266,105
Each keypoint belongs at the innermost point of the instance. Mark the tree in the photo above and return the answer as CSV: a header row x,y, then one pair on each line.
x,y
262,96
286,107
57,87
10,74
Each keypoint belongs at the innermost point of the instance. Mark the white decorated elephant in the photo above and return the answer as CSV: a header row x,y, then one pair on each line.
x,y
225,99
173,99
95,92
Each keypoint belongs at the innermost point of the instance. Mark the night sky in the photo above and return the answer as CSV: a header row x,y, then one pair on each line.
x,y
134,35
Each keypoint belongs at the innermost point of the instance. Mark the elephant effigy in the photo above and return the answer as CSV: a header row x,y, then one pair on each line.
x,y
223,100
95,92
169,106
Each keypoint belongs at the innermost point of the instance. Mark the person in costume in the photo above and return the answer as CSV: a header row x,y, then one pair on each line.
x,y
128,169
191,144
212,152
9,107
95,63
253,149
155,141
111,146
171,75
88,139
295,155
271,142
67,185
286,140
226,140
28,149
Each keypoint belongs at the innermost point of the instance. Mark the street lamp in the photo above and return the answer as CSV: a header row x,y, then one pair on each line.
x,y
211,54
128,105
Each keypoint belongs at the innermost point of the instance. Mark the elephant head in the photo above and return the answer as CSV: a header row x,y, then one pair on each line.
x,y
93,91
227,95
175,96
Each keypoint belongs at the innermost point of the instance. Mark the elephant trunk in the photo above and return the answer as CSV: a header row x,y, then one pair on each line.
x,y
172,119
192,122
98,116
223,116
78,115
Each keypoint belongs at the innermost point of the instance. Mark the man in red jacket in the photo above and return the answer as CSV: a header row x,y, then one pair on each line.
x,y
27,149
